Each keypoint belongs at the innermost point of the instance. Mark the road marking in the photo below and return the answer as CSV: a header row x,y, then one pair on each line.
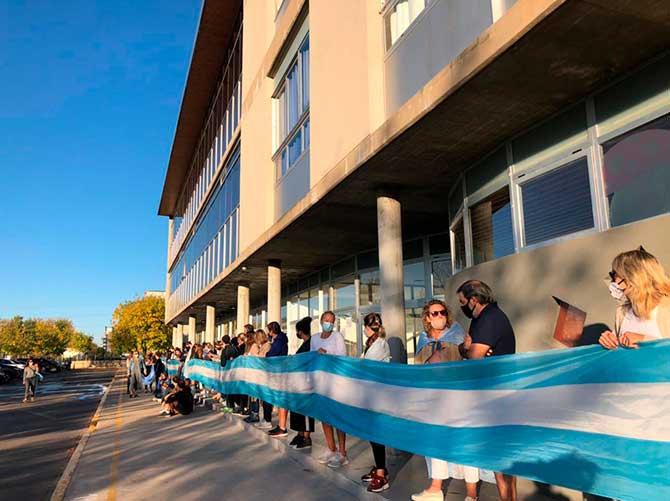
x,y
116,456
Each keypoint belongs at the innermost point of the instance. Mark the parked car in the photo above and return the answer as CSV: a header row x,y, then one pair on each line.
x,y
4,376
12,369
16,363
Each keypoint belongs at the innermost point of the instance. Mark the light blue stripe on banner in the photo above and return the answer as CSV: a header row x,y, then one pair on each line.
x,y
601,464
587,365
172,367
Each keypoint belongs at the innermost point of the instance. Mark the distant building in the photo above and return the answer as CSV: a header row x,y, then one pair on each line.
x,y
154,294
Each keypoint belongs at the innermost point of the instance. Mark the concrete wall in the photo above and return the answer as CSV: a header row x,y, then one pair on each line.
x,y
439,34
572,270
340,77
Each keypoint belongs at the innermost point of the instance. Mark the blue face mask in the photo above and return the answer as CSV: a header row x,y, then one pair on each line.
x,y
327,326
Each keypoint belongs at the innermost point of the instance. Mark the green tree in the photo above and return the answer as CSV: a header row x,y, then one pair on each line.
x,y
14,339
82,343
52,336
139,325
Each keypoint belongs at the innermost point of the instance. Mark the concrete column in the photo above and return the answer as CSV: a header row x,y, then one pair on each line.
x,y
174,335
191,329
210,324
274,291
389,232
242,306
180,336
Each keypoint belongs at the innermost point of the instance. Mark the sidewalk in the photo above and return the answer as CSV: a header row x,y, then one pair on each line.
x,y
134,454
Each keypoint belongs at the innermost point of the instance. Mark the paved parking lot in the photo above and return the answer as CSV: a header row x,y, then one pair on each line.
x,y
37,438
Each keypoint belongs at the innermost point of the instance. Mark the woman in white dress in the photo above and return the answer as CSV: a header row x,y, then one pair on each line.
x,y
642,287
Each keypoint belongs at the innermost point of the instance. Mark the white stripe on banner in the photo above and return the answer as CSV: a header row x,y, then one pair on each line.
x,y
591,408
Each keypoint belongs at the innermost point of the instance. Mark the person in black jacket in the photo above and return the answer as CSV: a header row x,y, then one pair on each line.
x,y
228,353
278,348
299,423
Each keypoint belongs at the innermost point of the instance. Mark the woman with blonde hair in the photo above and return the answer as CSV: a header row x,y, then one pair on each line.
x,y
642,287
439,343
259,348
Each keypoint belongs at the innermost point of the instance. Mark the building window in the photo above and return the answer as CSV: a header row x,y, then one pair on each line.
x,y
492,233
441,272
557,203
399,18
458,253
637,173
292,115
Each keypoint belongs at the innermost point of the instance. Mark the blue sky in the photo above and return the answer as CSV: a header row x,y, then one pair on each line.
x,y
89,97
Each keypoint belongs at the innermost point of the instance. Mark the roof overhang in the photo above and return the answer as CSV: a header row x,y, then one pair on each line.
x,y
539,58
215,32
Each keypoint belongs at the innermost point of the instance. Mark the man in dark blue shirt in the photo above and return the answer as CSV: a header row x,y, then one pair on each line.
x,y
491,334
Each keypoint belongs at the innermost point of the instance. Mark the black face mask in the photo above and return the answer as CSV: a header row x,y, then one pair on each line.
x,y
466,310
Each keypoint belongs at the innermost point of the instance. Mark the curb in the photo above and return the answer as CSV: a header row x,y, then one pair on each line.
x,y
305,460
65,479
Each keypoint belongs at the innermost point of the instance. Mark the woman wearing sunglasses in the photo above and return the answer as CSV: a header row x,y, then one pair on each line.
x,y
641,286
439,343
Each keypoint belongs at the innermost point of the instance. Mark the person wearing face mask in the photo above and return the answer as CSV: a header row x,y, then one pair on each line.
x,y
491,334
439,343
299,423
641,286
331,342
376,348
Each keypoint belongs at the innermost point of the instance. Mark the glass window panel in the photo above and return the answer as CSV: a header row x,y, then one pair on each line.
x,y
490,170
284,161
412,249
368,260
492,234
459,246
344,294
557,203
555,134
306,134
343,267
455,201
637,173
415,281
439,244
441,271
370,292
293,110
304,61
314,306
295,148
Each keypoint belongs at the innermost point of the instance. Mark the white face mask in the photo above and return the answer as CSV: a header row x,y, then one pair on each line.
x,y
616,291
438,323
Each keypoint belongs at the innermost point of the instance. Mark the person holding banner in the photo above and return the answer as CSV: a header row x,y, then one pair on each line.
x,y
641,286
302,424
439,343
491,334
376,348
330,342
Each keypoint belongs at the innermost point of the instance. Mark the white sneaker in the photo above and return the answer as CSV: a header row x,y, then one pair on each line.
x,y
338,460
264,425
326,457
468,498
428,496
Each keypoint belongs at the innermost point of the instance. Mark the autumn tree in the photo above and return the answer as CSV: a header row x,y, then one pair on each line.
x,y
82,343
139,325
35,336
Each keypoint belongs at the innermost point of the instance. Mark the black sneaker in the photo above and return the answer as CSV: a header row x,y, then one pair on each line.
x,y
305,443
252,418
294,440
246,412
277,432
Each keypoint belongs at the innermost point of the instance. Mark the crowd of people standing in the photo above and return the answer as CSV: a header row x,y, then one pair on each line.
x,y
637,282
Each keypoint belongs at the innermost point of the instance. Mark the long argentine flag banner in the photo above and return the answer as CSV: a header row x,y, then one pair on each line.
x,y
586,418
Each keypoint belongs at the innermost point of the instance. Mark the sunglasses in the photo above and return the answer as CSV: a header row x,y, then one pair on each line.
x,y
440,313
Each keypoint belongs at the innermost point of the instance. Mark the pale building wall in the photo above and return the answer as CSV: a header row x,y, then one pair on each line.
x,y
339,76
573,270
